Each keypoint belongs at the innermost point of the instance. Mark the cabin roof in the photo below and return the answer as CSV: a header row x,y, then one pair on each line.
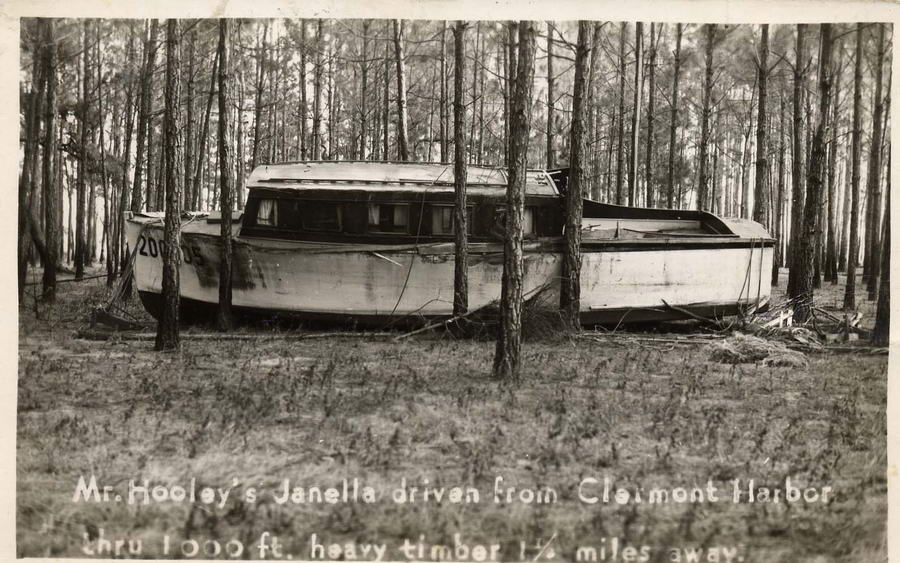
x,y
381,176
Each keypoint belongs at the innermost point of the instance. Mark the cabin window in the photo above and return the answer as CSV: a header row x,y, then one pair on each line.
x,y
267,213
389,218
320,216
442,219
499,227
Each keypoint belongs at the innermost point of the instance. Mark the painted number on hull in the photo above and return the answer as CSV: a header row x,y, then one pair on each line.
x,y
149,246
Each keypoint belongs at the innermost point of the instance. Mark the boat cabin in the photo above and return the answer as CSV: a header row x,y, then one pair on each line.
x,y
388,202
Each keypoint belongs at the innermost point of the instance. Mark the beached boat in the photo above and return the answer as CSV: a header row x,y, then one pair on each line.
x,y
369,242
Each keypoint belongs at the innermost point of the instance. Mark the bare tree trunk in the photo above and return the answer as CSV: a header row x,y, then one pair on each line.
x,y
856,148
50,188
779,201
620,171
797,193
511,58
189,123
831,272
760,207
202,152
80,238
141,157
472,156
874,220
673,127
110,273
815,185
363,91
167,336
304,106
704,127
386,109
551,154
260,82
648,170
634,149
882,331
507,356
444,110
570,286
224,318
402,140
460,270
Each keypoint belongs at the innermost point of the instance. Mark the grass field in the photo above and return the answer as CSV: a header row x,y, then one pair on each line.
x,y
247,415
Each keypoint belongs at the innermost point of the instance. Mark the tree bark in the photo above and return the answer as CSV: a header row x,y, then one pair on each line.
x,y
570,286
51,188
507,356
760,201
648,171
460,270
402,140
318,70
304,106
202,152
551,155
189,123
882,331
704,127
80,224
363,91
673,127
257,105
620,156
831,273
815,185
797,193
873,223
634,149
167,335
224,319
141,158
856,149
444,109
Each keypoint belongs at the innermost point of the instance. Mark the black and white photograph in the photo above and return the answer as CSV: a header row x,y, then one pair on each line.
x,y
432,282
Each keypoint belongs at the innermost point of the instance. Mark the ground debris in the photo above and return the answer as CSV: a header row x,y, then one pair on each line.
x,y
742,348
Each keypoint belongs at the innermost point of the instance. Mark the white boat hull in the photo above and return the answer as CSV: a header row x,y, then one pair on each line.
x,y
623,281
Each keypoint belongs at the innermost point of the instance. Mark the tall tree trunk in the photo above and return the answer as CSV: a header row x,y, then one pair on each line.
x,y
873,223
704,127
141,157
50,188
634,149
779,201
167,336
80,234
512,62
224,319
304,106
856,149
760,207
831,273
363,91
797,193
29,164
473,154
507,356
673,127
460,270
386,109
110,274
257,105
444,110
620,155
882,331
551,154
202,152
648,171
189,123
815,185
402,140
570,286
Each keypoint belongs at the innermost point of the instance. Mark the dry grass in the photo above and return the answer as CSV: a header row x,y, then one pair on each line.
x,y
322,410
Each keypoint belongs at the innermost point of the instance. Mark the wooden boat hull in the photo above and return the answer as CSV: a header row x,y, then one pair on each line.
x,y
622,280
